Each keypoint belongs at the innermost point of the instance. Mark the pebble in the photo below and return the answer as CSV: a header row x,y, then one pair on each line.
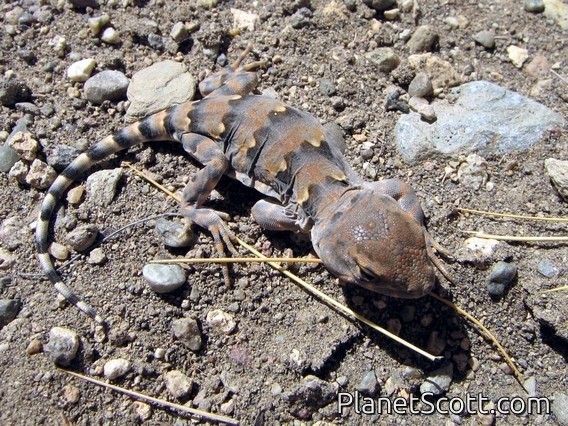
x,y
111,36
187,331
27,108
436,343
560,407
164,278
174,234
517,55
143,411
97,257
96,23
179,32
7,259
500,278
81,70
486,38
530,386
115,368
326,87
557,10
244,20
13,233
534,6
59,44
60,156
62,346
424,39
157,87
59,251
220,321
368,385
101,186
71,393
8,156
422,107
19,171
8,310
392,14
41,175
483,117
178,384
75,195
441,72
107,85
473,172
82,237
438,381
12,90
547,268
539,67
380,5
558,172
25,145
12,16
313,392
34,347
420,86
384,58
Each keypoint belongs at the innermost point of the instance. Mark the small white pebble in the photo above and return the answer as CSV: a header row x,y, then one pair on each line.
x,y
111,36
116,368
81,70
221,321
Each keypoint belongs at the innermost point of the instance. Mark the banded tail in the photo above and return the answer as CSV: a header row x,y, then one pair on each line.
x,y
154,127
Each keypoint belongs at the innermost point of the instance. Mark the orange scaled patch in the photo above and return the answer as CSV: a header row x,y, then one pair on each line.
x,y
291,140
313,174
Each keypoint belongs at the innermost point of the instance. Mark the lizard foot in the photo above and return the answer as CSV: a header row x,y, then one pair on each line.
x,y
215,223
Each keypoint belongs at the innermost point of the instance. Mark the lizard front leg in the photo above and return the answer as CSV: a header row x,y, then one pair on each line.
x,y
199,188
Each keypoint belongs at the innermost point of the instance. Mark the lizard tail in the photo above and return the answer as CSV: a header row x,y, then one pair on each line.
x,y
154,127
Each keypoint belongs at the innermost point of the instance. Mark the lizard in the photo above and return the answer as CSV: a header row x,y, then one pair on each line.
x,y
367,233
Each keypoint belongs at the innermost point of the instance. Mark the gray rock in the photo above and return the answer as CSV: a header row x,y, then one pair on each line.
x,y
438,382
13,232
101,186
420,86
546,268
187,331
534,6
41,175
368,384
8,310
60,156
326,87
560,407
157,87
8,156
27,108
174,234
558,172
62,346
82,237
484,118
312,392
384,58
379,5
486,38
106,86
115,368
500,277
164,278
178,384
424,39
12,91
179,32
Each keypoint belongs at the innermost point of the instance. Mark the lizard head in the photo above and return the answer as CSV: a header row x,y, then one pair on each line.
x,y
366,238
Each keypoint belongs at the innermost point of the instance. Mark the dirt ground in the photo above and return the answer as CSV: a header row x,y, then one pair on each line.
x,y
257,374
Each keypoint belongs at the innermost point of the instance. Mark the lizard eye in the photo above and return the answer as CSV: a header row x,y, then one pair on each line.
x,y
366,275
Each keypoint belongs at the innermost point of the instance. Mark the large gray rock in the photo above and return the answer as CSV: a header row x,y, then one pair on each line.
x,y
107,85
157,87
482,117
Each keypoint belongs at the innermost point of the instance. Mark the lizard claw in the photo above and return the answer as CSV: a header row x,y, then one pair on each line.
x,y
215,223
